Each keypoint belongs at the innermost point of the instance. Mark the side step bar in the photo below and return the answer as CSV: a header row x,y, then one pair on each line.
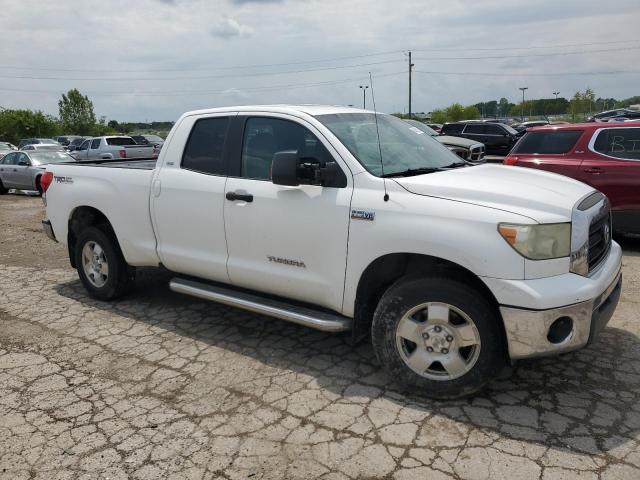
x,y
308,317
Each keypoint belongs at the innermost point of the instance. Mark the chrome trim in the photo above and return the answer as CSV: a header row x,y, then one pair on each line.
x,y
308,317
527,329
581,221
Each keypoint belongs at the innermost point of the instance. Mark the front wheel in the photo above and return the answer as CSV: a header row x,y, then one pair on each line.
x,y
100,264
3,189
438,336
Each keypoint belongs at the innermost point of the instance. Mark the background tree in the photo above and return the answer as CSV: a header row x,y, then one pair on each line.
x,y
76,113
18,124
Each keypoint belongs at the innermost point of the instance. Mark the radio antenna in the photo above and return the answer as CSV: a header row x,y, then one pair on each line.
x,y
375,115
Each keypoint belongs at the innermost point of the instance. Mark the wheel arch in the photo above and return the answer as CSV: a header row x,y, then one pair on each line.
x,y
80,218
385,270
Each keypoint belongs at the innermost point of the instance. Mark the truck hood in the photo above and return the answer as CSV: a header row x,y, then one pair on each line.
x,y
542,196
456,141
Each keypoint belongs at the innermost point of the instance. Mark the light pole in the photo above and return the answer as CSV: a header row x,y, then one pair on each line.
x,y
556,94
522,109
364,95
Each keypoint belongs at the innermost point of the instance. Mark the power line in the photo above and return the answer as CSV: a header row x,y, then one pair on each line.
x,y
527,74
212,92
233,67
201,77
310,62
532,55
491,49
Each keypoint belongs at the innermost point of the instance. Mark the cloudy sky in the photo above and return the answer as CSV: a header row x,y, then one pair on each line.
x,y
154,59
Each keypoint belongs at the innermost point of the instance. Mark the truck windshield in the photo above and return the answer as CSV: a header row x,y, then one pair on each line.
x,y
404,147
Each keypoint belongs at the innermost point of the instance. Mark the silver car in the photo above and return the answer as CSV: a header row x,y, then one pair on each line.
x,y
6,147
43,147
22,170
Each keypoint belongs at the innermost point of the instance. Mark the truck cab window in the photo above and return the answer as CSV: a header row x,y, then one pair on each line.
x,y
205,147
95,144
263,137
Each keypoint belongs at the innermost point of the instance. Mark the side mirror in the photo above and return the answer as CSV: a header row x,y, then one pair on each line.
x,y
284,168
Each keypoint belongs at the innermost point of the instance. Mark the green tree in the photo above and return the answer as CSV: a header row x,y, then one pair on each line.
x,y
471,113
455,112
18,124
76,113
439,116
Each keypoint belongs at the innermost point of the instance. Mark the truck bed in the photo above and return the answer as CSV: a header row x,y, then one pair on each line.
x,y
134,163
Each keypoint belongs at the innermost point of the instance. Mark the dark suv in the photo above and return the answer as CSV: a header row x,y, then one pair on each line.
x,y
498,138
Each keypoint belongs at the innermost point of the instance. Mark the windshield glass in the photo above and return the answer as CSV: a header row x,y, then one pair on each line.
x,y
404,147
41,158
421,126
5,146
512,131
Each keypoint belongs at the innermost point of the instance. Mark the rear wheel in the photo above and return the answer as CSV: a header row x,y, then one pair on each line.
x,y
439,336
100,264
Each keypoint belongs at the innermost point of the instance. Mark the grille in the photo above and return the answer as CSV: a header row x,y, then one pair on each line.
x,y
477,153
599,241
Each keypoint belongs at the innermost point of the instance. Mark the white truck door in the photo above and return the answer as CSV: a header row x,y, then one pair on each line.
x,y
187,199
287,241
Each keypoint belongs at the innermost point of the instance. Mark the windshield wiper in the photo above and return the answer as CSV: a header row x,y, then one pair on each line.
x,y
456,165
410,172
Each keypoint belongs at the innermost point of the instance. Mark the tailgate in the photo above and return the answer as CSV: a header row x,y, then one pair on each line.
x,y
139,151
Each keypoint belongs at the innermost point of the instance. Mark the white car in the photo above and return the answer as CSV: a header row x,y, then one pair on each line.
x,y
343,219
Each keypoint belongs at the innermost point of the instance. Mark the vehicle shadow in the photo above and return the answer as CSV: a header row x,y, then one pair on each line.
x,y
630,244
586,401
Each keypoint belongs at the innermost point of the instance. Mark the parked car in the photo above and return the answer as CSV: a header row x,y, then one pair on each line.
x,y
605,156
65,140
306,214
75,143
149,140
524,126
6,147
497,138
36,141
23,170
113,148
612,115
436,127
466,149
44,147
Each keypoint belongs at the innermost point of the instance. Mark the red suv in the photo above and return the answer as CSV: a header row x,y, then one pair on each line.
x,y
603,155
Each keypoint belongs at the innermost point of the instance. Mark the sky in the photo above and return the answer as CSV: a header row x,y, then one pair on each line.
x,y
147,60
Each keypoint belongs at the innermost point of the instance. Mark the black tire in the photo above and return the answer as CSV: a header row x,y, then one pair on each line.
x,y
3,190
120,276
38,186
410,292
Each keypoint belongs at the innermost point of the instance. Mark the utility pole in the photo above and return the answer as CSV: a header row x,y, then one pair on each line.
x,y
364,96
522,109
410,70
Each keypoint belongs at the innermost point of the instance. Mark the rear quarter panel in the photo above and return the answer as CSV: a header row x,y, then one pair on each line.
x,y
121,194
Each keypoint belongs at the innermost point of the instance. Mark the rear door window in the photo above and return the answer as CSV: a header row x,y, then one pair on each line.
x,y
493,130
623,143
204,151
475,129
95,144
552,142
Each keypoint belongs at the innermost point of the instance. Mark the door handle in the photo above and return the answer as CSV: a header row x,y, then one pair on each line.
x,y
245,197
595,170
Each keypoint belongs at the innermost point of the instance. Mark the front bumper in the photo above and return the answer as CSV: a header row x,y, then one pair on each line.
x,y
528,329
48,229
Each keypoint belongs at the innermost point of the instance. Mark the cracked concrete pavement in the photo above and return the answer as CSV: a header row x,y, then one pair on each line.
x,y
158,385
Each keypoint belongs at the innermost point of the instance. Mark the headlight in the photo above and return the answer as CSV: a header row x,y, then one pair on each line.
x,y
538,242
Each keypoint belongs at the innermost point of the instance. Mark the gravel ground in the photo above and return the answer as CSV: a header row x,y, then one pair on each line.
x,y
159,385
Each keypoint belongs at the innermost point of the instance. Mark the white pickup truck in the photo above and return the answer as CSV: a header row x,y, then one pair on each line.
x,y
112,148
340,219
